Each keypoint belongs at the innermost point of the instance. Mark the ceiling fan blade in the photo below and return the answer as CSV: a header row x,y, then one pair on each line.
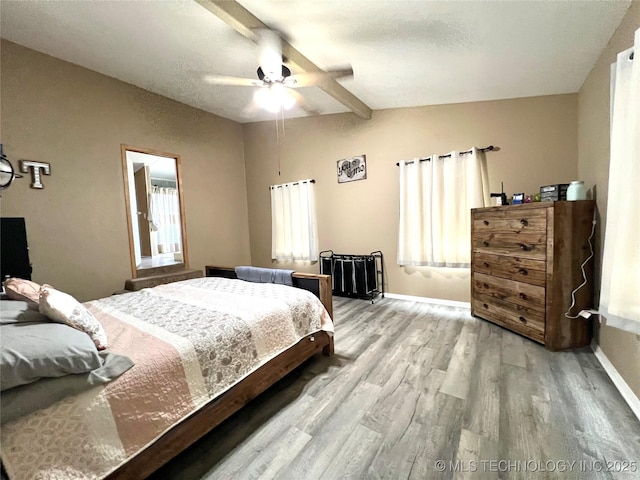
x,y
303,103
234,81
317,78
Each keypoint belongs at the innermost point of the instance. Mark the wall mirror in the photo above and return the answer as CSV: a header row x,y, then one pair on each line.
x,y
155,211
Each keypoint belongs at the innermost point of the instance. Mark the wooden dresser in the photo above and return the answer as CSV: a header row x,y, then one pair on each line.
x,y
525,262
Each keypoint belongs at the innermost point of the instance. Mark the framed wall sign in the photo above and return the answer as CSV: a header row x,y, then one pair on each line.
x,y
352,169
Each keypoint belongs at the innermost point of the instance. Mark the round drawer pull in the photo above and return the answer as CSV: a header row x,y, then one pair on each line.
x,y
485,285
486,222
486,264
485,305
523,296
524,247
485,243
524,222
522,319
523,271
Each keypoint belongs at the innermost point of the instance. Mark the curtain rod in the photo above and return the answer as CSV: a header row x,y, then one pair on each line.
x,y
294,183
485,149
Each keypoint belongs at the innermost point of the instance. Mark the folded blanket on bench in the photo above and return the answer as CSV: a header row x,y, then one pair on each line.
x,y
265,275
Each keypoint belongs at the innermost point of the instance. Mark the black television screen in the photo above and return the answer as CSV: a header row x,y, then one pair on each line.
x,y
14,251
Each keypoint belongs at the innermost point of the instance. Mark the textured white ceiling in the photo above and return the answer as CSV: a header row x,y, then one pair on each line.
x,y
404,53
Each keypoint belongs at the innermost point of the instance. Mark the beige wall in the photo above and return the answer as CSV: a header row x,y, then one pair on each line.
x,y
537,138
622,348
75,119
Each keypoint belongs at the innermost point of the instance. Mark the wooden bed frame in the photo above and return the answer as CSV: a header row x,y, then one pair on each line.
x,y
195,426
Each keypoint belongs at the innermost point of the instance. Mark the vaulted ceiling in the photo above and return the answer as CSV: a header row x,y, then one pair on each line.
x,y
404,53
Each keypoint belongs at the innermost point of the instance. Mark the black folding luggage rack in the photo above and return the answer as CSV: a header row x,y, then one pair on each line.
x,y
360,276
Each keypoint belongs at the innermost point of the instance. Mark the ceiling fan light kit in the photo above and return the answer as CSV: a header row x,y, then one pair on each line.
x,y
274,98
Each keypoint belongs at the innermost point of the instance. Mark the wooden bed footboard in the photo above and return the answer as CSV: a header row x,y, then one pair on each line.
x,y
192,428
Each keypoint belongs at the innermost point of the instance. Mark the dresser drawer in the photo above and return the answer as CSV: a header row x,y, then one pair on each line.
x,y
531,245
510,221
513,268
527,323
516,293
515,232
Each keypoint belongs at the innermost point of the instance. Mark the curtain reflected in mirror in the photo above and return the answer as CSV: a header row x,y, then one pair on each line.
x,y
154,210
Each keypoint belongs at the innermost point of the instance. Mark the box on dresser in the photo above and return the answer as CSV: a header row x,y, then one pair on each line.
x,y
525,262
551,193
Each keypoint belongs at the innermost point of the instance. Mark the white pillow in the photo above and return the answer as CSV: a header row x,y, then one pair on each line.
x,y
63,308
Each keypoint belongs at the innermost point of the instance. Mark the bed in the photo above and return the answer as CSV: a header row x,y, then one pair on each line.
x,y
202,349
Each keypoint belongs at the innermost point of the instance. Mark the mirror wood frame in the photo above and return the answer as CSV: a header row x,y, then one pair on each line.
x,y
135,272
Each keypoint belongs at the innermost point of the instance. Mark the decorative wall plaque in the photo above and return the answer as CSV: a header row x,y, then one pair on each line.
x,y
352,169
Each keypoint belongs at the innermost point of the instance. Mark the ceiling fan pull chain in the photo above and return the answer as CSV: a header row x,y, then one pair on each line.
x,y
278,143
280,127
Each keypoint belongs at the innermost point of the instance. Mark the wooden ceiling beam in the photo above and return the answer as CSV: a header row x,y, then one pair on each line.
x,y
244,22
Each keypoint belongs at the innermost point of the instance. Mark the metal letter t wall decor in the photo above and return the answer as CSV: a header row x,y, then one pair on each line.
x,y
35,167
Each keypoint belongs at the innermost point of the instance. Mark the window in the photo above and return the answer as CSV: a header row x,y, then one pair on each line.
x,y
436,198
294,232
619,299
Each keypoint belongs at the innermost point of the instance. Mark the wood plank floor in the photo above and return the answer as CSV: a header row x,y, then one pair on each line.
x,y
412,384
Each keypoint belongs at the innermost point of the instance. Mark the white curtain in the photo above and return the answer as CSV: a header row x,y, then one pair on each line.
x,y
164,209
436,196
294,232
620,287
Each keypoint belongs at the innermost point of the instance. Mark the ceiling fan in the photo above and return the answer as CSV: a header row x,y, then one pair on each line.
x,y
276,85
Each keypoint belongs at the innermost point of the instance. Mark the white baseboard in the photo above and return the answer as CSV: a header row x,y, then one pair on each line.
x,y
436,301
630,397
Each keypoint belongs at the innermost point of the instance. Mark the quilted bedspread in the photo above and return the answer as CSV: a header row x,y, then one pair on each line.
x,y
190,342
